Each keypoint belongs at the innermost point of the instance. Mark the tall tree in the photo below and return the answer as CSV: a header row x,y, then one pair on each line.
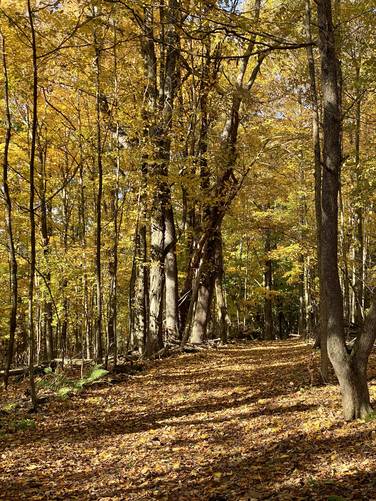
x,y
350,368
314,98
33,133
9,216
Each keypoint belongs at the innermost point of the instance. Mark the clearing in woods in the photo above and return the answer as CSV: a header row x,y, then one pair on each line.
x,y
235,423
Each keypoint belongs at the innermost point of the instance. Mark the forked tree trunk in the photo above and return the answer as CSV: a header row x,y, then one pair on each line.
x,y
205,292
350,369
158,114
226,182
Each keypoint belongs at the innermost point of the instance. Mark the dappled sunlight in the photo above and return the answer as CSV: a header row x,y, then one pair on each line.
x,y
195,426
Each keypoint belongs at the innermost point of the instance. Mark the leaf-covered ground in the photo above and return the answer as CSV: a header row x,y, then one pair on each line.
x,y
238,423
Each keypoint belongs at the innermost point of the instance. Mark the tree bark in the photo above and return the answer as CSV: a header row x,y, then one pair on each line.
x,y
223,318
9,219
98,236
31,206
268,282
350,368
45,208
359,231
160,114
171,278
205,294
322,334
138,294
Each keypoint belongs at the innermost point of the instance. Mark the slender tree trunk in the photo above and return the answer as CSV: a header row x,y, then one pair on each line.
x,y
359,231
138,304
115,209
223,319
268,282
64,282
169,85
98,238
157,245
322,335
31,206
302,283
46,234
9,218
171,277
113,272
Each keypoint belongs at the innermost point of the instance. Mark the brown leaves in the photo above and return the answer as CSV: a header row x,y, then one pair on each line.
x,y
227,425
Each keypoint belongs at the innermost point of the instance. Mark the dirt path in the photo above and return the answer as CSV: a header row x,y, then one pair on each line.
x,y
237,423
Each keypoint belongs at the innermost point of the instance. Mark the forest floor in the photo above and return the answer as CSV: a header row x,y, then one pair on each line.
x,y
240,422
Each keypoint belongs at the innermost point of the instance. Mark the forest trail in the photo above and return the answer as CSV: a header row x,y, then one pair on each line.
x,y
236,423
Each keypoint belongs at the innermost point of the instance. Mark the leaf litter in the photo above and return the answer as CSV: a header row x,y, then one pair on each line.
x,y
240,422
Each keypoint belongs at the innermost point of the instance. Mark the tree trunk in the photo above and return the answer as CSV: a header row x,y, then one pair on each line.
x,y
322,334
138,289
268,283
160,124
359,233
223,319
31,206
9,220
45,208
154,340
171,277
98,236
350,369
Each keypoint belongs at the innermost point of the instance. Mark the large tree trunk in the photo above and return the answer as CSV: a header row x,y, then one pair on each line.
x,y
205,295
158,115
351,368
226,183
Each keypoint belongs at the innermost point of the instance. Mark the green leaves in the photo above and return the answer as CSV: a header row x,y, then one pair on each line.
x,y
65,387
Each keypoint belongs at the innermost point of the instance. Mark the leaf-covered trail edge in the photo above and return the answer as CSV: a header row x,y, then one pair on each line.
x,y
237,423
